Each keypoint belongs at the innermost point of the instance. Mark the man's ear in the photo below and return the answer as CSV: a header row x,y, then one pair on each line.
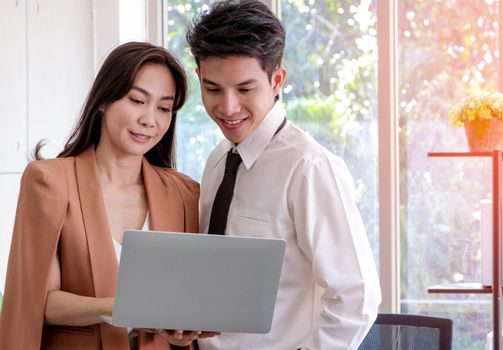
x,y
198,72
278,79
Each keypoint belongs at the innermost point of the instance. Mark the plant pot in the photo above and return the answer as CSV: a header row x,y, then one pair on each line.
x,y
484,135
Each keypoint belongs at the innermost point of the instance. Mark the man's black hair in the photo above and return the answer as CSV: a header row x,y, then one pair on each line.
x,y
238,27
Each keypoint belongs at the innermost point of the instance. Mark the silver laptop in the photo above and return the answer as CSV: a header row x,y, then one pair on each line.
x,y
197,282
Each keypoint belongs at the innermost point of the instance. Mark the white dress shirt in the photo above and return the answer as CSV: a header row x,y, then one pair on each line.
x,y
118,246
289,186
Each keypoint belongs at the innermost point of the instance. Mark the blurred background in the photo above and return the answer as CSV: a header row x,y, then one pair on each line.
x,y
443,50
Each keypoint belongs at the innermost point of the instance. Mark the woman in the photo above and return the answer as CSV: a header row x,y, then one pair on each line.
x,y
116,172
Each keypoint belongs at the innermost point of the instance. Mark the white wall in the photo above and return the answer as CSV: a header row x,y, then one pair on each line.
x,y
49,53
13,126
46,66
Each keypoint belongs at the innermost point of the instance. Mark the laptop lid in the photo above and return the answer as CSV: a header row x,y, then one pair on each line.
x,y
197,282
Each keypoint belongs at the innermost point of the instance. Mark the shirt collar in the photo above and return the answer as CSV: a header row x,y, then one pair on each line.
x,y
253,146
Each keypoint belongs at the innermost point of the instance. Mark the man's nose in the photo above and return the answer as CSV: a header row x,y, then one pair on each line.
x,y
230,104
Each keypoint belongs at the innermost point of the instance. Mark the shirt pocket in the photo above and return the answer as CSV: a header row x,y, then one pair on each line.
x,y
252,225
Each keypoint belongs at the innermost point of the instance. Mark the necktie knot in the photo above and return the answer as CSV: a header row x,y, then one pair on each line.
x,y
232,162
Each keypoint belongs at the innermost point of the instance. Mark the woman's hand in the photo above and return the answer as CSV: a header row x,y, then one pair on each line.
x,y
183,338
208,334
179,337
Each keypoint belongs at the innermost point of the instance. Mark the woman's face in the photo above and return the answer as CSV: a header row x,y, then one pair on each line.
x,y
134,124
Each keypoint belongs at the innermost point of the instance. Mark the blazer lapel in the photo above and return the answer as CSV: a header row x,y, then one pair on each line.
x,y
165,203
99,239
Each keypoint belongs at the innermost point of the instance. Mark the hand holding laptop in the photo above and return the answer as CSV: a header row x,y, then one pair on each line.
x,y
197,282
174,337
184,338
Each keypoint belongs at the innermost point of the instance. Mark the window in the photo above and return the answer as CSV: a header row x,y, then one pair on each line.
x,y
446,49
196,132
330,90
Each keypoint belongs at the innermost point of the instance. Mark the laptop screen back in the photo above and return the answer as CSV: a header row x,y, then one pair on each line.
x,y
197,282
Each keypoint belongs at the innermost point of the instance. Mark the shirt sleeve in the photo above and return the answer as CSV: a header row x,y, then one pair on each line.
x,y
40,213
330,232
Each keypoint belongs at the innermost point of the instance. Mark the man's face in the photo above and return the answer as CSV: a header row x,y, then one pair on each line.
x,y
237,93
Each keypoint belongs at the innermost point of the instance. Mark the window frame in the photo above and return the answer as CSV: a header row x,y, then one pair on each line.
x,y
388,172
388,164
388,156
388,114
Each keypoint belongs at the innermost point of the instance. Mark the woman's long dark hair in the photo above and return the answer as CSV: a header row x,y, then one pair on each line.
x,y
114,80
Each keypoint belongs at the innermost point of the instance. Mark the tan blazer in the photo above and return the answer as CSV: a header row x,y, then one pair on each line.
x,y
61,208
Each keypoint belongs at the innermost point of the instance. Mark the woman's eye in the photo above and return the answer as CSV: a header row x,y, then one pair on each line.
x,y
213,90
134,100
164,109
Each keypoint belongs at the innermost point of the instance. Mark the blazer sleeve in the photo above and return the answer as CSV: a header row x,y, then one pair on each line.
x,y
41,208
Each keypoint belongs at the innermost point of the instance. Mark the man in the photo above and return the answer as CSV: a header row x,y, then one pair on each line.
x,y
287,186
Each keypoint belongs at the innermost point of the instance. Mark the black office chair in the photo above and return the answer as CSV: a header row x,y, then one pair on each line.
x,y
409,332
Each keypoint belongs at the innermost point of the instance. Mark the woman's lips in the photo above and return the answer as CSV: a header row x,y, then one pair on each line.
x,y
140,137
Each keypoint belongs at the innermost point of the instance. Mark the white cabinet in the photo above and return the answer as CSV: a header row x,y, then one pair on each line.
x,y
60,68
13,86
46,70
9,188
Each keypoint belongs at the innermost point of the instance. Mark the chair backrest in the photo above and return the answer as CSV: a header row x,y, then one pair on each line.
x,y
408,332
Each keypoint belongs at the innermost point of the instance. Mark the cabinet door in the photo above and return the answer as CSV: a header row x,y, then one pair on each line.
x,y
46,69
13,115
60,68
9,188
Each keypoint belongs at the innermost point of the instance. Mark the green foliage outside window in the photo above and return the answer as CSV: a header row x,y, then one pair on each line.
x,y
331,86
445,48
330,90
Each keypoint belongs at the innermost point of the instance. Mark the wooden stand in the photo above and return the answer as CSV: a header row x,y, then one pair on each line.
x,y
497,225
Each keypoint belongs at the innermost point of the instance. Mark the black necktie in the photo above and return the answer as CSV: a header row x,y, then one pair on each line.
x,y
222,202
223,198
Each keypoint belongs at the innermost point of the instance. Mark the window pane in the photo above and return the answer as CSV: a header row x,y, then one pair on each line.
x,y
196,132
330,90
446,50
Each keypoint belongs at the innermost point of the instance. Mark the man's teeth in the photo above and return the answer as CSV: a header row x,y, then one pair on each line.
x,y
233,122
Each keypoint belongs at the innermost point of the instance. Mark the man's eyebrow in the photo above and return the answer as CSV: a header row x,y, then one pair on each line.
x,y
246,82
148,94
208,81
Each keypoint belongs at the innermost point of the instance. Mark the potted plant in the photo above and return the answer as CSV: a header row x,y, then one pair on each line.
x,y
481,114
